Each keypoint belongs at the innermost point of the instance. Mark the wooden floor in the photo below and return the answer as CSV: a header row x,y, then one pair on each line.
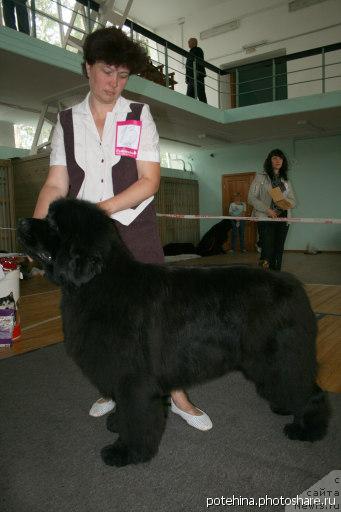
x,y
39,317
326,302
41,325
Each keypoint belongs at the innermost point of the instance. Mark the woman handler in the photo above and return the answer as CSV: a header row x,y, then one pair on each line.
x,y
105,150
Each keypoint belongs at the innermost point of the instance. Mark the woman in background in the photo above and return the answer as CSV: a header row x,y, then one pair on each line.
x,y
272,235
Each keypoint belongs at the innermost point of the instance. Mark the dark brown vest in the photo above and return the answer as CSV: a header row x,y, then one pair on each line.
x,y
141,236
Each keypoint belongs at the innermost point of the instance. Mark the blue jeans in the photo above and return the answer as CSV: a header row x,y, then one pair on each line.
x,y
237,231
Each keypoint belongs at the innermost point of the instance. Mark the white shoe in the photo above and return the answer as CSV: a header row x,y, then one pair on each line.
x,y
202,422
102,406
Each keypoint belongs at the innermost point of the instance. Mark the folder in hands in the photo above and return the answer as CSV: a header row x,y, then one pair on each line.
x,y
278,198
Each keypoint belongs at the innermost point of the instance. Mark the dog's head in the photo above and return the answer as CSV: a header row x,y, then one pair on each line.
x,y
72,243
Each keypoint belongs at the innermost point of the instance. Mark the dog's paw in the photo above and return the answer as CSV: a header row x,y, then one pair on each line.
x,y
112,422
295,432
116,455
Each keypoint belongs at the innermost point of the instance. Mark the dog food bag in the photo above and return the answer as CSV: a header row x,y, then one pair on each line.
x,y
7,319
10,291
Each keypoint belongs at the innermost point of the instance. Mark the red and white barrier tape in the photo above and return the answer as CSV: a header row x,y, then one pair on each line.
x,y
291,220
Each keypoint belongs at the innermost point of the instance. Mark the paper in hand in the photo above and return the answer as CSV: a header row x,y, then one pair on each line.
x,y
127,216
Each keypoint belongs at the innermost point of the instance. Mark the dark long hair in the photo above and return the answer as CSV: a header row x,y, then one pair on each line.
x,y
283,172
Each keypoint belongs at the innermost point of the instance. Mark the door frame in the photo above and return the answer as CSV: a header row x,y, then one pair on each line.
x,y
250,228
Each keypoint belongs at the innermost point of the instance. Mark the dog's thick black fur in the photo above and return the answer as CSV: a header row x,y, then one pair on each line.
x,y
138,331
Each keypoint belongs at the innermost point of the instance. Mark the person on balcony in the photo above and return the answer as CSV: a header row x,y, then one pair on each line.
x,y
196,56
18,6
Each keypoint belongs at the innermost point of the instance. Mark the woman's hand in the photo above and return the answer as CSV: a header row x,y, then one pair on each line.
x,y
145,187
271,213
104,205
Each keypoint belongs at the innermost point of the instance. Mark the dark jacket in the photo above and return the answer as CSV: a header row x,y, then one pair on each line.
x,y
196,54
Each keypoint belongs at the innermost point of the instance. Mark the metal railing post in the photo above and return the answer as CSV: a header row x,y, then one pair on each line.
x,y
195,77
40,125
323,71
237,88
60,25
33,18
88,13
166,66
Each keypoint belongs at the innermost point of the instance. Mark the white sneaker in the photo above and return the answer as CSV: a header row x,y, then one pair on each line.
x,y
101,407
202,422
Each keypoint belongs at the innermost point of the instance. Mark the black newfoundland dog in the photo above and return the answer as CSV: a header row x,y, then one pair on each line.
x,y
138,331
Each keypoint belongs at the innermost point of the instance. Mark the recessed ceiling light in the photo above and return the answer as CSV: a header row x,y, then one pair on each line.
x,y
220,29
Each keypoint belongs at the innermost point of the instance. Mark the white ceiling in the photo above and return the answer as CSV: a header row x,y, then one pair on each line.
x,y
156,13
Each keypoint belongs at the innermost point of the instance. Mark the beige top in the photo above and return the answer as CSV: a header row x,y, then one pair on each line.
x,y
260,198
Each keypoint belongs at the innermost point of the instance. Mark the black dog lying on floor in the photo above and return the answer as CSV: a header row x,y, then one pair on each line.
x,y
138,331
213,241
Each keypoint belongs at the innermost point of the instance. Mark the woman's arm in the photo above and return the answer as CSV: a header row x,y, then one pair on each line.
x,y
254,193
55,186
148,170
147,185
253,197
57,182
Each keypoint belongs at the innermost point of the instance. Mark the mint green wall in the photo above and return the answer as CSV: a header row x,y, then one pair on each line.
x,y
317,182
315,173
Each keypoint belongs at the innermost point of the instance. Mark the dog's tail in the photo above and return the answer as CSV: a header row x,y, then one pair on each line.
x,y
311,423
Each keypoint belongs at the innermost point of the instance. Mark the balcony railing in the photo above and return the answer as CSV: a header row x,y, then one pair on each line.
x,y
65,23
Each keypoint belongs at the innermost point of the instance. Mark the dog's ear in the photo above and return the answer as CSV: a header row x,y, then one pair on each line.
x,y
78,265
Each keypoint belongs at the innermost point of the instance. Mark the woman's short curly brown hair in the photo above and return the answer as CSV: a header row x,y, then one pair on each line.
x,y
112,46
